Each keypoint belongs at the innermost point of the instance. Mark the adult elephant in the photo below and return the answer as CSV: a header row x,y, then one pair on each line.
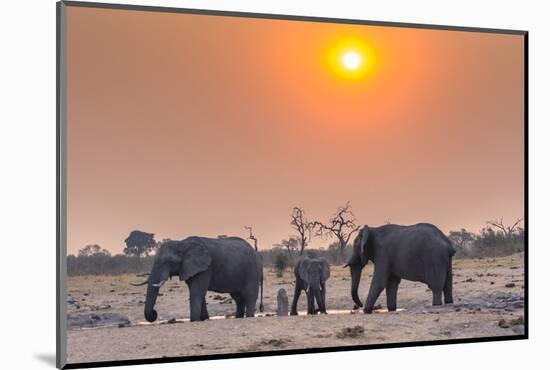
x,y
311,276
418,252
224,265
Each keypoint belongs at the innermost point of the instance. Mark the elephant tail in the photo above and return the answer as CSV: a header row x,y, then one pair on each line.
x,y
261,271
262,290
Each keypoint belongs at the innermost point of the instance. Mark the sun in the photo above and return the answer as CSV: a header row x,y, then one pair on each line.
x,y
351,59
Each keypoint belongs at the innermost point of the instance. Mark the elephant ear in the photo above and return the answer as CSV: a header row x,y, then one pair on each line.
x,y
363,245
325,274
195,258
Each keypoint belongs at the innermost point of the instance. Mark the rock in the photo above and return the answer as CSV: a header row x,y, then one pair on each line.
x,y
352,332
100,307
172,320
274,342
282,303
503,324
78,321
510,285
518,321
71,300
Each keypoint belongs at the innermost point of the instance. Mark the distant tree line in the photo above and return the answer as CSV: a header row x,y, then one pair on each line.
x,y
496,239
103,264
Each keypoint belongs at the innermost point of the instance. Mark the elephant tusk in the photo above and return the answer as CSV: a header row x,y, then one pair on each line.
x,y
139,284
158,285
143,275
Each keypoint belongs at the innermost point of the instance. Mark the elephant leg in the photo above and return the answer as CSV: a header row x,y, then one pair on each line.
x,y
376,287
250,296
204,311
324,297
195,306
436,293
448,289
310,302
197,294
239,302
250,307
297,292
391,292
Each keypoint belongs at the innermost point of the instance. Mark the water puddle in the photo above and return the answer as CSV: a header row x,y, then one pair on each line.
x,y
263,314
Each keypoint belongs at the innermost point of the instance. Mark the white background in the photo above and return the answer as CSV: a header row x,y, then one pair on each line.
x,y
27,181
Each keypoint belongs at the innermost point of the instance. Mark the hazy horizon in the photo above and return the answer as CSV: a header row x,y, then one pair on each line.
x,y
185,125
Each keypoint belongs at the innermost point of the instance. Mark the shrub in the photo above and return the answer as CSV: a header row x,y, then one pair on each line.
x,y
280,263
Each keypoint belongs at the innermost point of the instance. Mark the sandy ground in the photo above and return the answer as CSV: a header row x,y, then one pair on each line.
x,y
488,302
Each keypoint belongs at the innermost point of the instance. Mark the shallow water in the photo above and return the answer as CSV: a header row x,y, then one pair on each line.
x,y
263,314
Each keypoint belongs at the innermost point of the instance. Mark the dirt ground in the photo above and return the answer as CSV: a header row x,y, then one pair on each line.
x,y
107,323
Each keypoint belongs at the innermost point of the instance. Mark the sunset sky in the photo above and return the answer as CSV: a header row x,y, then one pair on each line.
x,y
186,125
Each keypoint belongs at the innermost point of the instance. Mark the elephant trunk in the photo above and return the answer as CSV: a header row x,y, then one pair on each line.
x,y
150,300
355,270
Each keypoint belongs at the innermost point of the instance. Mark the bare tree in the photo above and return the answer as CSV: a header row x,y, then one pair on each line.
x,y
251,236
506,230
300,223
341,226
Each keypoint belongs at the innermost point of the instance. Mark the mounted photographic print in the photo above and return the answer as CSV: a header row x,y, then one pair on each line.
x,y
237,184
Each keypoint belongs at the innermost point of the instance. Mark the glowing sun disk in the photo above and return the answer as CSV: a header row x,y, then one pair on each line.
x,y
351,60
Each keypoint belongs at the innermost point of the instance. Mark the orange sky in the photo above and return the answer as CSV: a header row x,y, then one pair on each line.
x,y
198,125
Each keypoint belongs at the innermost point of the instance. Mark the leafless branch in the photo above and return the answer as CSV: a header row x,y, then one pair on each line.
x,y
342,226
300,223
507,230
251,236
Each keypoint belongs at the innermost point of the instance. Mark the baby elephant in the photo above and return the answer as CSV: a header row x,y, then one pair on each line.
x,y
311,275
